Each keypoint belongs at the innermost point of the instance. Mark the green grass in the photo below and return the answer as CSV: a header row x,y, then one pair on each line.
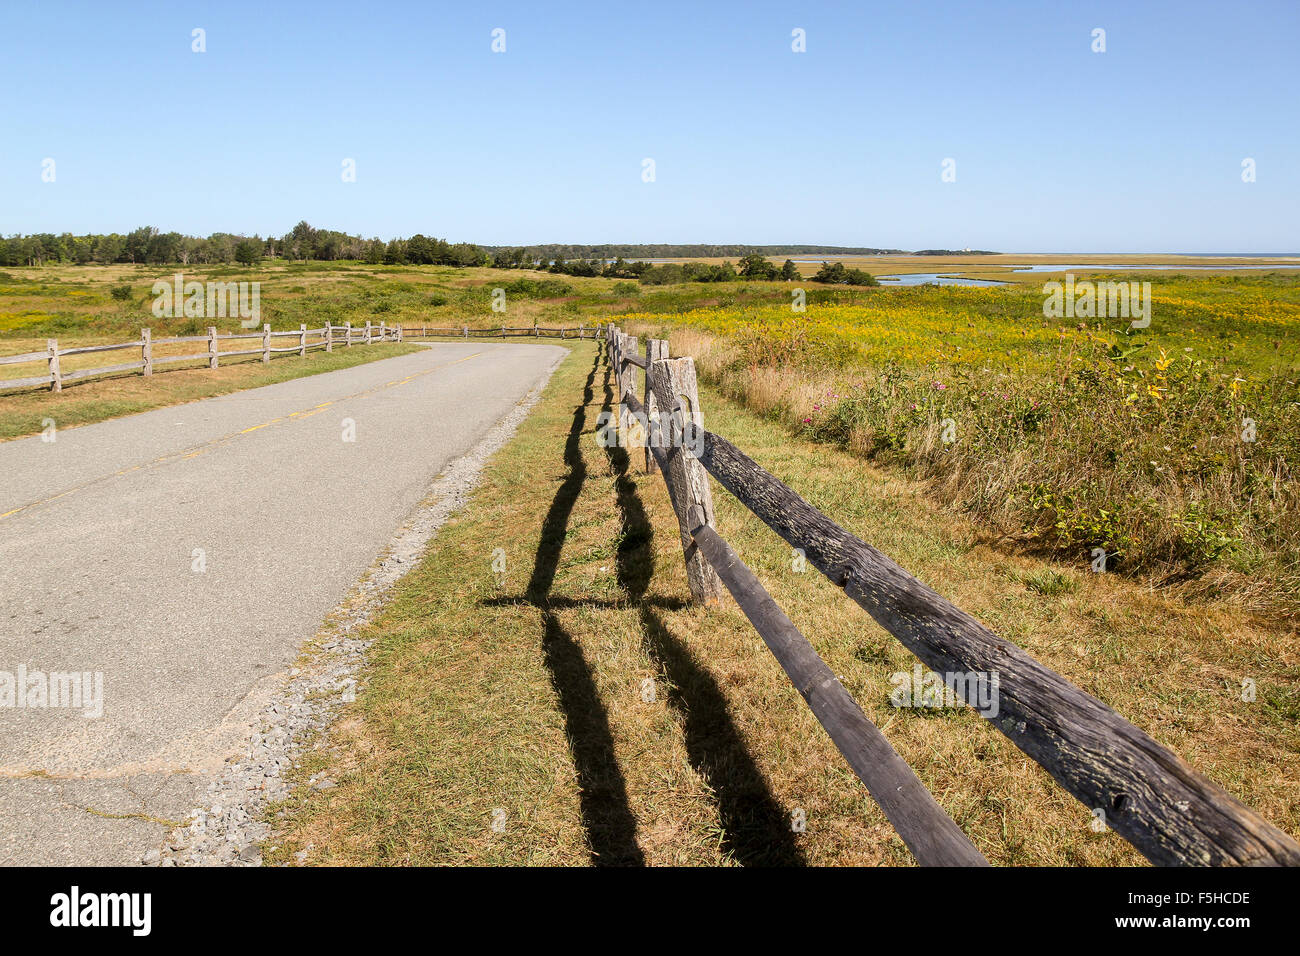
x,y
1051,582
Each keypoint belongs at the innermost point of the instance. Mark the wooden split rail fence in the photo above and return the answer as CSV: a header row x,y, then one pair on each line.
x,y
1169,812
536,331
325,338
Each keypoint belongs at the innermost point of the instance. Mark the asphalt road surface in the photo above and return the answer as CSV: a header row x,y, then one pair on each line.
x,y
185,554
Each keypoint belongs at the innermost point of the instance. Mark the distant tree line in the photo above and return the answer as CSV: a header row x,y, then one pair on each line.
x,y
150,246
752,267
552,251
144,245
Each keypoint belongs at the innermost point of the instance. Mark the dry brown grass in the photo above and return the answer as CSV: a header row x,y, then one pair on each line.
x,y
528,696
1172,494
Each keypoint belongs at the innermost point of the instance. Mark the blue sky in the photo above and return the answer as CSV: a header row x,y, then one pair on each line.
x,y
1057,148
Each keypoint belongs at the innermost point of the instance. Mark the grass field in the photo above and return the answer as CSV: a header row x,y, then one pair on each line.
x,y
1173,449
1064,436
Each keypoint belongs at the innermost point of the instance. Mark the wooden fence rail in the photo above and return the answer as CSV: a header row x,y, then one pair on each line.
x,y
55,375
464,331
1169,812
928,831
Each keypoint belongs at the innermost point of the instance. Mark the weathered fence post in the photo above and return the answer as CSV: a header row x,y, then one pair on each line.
x,y
656,350
582,331
620,344
383,332
146,350
367,332
56,376
673,381
302,340
535,333
627,383
347,334
266,342
635,437
503,331
464,331
329,336
616,340
212,346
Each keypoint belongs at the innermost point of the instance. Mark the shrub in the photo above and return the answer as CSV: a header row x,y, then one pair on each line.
x,y
539,288
836,274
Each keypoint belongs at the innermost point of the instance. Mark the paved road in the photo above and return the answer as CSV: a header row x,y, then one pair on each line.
x,y
100,531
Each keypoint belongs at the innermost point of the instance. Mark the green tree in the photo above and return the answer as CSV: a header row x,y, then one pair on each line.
x,y
831,272
395,253
859,277
109,248
757,266
137,243
248,252
164,247
419,250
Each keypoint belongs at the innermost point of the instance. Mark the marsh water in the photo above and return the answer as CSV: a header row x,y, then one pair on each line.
x,y
942,278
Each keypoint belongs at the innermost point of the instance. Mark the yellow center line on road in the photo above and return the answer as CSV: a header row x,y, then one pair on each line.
x,y
196,450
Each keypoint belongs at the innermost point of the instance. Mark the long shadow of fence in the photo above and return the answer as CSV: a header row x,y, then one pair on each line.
x,y
756,829
607,818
